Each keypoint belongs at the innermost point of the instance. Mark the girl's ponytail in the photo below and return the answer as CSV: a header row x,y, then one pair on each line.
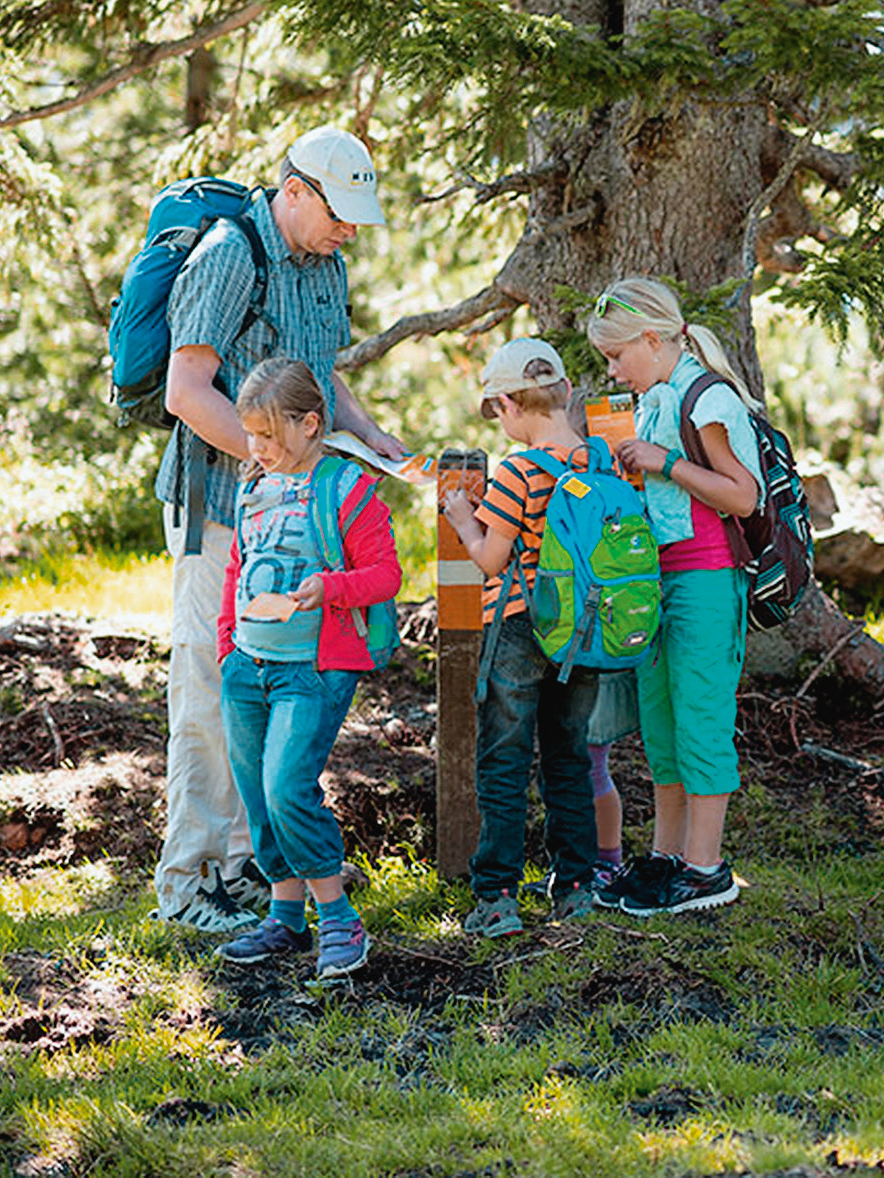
x,y
706,346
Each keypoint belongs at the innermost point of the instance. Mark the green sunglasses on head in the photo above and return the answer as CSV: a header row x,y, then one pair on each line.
x,y
601,305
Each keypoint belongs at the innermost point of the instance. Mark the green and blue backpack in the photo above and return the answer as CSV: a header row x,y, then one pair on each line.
x,y
596,599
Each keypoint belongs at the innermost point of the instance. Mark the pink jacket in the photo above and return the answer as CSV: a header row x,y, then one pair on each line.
x,y
372,573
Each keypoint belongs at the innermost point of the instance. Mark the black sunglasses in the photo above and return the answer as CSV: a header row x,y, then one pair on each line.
x,y
315,188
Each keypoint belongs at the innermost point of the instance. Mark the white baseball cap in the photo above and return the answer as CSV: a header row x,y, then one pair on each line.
x,y
341,164
505,371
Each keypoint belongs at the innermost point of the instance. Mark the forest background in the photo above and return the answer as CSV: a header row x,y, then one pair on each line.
x,y
91,133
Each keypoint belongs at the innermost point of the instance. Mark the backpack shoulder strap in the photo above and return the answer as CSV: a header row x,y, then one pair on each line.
x,y
367,487
259,258
696,452
553,466
690,435
328,527
324,484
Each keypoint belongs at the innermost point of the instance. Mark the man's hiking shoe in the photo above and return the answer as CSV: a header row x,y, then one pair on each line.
x,y
213,911
271,938
575,904
250,887
683,889
540,887
343,947
494,918
631,880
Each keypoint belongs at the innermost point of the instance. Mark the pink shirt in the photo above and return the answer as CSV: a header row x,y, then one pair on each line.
x,y
708,548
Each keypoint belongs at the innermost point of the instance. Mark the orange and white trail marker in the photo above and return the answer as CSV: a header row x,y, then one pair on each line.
x,y
460,635
460,580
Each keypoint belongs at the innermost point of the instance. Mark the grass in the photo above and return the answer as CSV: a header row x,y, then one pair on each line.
x,y
138,588
776,1064
100,584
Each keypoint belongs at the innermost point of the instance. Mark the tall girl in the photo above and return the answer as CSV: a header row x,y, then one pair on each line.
x,y
687,692
291,655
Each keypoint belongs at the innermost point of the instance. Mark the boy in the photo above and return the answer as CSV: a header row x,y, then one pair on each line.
x,y
525,387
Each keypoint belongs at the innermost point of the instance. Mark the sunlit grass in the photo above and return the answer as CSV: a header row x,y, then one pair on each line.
x,y
101,585
533,1073
138,589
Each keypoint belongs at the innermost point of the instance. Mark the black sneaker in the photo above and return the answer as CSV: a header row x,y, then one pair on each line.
x,y
644,871
683,889
249,887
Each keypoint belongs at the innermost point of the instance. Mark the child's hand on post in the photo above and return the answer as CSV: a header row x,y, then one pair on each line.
x,y
458,509
309,594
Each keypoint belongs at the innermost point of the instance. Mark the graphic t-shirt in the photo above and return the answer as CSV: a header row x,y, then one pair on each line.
x,y
279,548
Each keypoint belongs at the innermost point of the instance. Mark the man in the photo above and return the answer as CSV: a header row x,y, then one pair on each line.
x,y
206,875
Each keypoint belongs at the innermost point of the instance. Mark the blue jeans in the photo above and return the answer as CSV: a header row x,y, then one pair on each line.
x,y
524,698
281,721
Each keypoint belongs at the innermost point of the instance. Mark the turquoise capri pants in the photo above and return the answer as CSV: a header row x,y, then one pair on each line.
x,y
687,688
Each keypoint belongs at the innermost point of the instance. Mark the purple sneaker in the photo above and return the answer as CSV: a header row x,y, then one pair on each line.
x,y
271,938
343,947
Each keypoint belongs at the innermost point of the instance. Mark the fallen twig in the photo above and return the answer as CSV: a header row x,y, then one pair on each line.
x,y
536,953
57,742
818,750
416,953
827,658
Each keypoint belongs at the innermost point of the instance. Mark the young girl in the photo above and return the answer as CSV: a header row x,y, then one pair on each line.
x,y
687,692
291,656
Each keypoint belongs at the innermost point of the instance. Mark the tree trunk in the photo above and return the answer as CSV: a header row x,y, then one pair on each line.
x,y
663,193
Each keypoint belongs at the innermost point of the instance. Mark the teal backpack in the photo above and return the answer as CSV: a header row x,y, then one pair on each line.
x,y
378,627
596,599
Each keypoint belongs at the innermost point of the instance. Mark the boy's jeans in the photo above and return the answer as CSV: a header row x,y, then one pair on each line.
x,y
281,721
524,696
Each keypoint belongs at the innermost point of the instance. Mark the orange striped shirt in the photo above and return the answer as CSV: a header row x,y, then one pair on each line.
x,y
515,504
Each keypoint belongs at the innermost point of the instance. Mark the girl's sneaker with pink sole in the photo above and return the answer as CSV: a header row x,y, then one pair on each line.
x,y
343,947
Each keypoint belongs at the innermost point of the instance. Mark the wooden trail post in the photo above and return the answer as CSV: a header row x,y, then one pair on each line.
x,y
460,636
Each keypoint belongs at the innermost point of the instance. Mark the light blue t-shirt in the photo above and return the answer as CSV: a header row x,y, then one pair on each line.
x,y
658,419
279,548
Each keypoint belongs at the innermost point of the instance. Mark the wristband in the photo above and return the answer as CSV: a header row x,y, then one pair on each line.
x,y
671,458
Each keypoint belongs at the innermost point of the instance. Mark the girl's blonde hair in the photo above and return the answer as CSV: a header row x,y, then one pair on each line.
x,y
635,305
280,390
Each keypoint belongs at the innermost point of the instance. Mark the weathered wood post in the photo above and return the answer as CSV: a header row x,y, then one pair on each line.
x,y
460,635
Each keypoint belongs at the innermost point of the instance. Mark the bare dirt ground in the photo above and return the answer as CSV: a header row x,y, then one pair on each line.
x,y
82,745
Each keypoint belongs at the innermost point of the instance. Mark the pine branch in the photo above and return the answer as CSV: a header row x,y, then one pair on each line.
x,y
490,302
515,182
144,57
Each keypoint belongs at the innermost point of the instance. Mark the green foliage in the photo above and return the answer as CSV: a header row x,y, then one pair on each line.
x,y
847,277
